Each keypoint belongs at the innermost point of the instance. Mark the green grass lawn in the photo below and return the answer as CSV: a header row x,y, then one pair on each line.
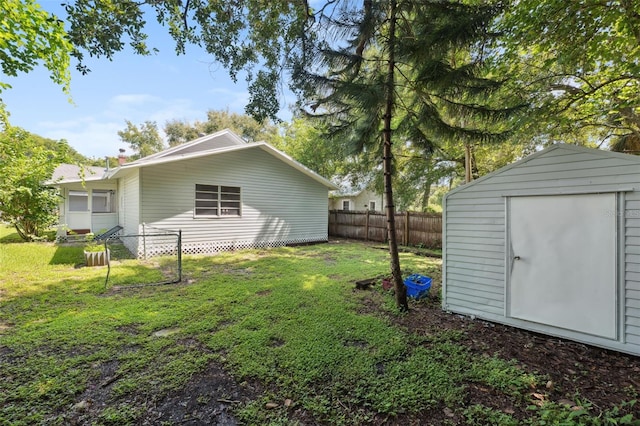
x,y
288,319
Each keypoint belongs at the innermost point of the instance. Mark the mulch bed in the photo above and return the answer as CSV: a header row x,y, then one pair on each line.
x,y
602,377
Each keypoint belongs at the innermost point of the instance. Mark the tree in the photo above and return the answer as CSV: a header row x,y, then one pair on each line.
x,y
406,68
249,129
144,140
305,141
25,165
31,36
578,63
253,36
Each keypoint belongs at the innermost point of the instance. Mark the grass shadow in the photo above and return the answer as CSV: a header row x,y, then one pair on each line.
x,y
11,238
67,255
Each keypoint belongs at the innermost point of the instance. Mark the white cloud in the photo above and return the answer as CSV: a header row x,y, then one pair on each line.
x,y
96,135
88,136
234,100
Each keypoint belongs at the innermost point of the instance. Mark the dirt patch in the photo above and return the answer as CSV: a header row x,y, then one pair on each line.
x,y
207,399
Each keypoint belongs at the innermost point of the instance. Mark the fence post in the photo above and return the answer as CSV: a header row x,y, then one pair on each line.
x,y
144,241
366,227
406,229
180,255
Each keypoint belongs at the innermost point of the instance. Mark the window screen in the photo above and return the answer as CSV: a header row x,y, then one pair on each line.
x,y
216,200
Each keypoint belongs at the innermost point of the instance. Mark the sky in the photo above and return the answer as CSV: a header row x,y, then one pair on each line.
x,y
160,87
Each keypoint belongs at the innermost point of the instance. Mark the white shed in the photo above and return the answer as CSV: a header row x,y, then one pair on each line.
x,y
551,244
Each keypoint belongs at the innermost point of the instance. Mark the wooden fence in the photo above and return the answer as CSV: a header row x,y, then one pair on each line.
x,y
412,228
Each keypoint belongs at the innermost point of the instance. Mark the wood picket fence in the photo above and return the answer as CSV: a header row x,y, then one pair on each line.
x,y
412,228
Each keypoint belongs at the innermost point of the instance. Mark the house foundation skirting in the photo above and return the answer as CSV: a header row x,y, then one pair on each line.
x,y
212,247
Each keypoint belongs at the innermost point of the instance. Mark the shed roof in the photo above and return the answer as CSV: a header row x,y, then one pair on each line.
x,y
571,149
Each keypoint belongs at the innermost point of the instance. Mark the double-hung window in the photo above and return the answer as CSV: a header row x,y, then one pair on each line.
x,y
217,200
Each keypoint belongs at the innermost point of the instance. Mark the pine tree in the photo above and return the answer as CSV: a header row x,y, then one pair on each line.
x,y
400,70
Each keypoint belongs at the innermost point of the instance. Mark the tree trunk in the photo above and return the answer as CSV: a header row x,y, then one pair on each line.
x,y
400,289
424,205
467,163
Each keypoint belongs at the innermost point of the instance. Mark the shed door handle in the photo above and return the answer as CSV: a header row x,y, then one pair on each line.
x,y
516,257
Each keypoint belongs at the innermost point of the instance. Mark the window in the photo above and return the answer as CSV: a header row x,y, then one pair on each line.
x,y
345,205
78,201
216,200
372,205
103,201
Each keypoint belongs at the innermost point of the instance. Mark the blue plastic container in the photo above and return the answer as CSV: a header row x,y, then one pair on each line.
x,y
417,286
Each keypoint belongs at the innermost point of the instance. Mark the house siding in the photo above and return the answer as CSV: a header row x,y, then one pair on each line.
x,y
129,216
280,205
475,234
357,202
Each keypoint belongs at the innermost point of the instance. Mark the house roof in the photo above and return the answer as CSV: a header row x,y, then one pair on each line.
x,y
164,159
74,173
217,143
572,149
221,139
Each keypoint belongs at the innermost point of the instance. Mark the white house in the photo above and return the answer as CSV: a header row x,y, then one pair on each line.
x,y
551,244
356,199
222,192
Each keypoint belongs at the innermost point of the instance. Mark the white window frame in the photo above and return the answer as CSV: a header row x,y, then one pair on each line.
x,y
76,207
225,200
346,203
109,200
372,205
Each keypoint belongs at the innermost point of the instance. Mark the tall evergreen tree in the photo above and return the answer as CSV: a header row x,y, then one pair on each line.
x,y
403,68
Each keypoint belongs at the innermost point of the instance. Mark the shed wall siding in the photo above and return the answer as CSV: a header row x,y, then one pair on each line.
x,y
280,205
475,234
632,268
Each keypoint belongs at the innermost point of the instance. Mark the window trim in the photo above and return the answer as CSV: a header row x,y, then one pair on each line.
x,y
71,207
110,196
372,202
234,196
343,201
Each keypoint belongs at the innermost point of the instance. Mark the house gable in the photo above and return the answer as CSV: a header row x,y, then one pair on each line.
x,y
222,139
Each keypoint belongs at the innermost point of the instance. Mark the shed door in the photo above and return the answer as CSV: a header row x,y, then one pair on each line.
x,y
563,262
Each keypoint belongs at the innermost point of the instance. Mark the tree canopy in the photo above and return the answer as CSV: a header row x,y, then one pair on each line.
x,y
578,64
244,35
144,140
26,163
180,131
30,36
